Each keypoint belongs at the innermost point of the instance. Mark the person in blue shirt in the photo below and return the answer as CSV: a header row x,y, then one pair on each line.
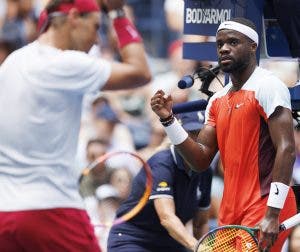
x,y
178,195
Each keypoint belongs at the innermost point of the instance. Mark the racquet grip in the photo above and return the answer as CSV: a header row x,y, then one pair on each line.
x,y
291,222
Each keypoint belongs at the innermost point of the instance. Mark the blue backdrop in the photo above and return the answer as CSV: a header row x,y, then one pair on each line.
x,y
202,17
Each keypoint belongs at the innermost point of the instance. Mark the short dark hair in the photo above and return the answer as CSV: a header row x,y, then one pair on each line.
x,y
245,21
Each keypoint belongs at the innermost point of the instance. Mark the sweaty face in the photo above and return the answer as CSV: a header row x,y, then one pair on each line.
x,y
235,50
85,34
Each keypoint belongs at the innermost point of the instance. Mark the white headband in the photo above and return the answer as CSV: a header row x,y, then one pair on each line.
x,y
246,30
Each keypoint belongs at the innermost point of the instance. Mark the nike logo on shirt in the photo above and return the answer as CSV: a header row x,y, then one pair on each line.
x,y
237,106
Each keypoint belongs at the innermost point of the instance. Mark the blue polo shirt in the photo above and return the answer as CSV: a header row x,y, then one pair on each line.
x,y
190,191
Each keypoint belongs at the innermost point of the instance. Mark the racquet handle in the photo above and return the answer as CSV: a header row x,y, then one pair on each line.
x,y
291,222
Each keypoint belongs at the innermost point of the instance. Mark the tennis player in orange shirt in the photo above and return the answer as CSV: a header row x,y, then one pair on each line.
x,y
250,122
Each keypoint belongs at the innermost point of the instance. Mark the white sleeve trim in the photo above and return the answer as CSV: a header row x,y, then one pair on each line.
x,y
157,196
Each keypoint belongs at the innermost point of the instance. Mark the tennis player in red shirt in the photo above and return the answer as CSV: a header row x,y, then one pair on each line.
x,y
250,122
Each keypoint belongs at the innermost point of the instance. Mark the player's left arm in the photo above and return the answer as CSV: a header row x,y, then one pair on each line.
x,y
281,131
280,125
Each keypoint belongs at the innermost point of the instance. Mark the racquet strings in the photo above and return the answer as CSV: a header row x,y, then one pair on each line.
x,y
228,240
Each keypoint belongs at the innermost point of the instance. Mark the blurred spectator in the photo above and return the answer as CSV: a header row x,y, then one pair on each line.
x,y
111,129
106,120
103,122
131,107
95,148
108,203
121,179
98,176
7,46
20,21
157,137
10,32
294,240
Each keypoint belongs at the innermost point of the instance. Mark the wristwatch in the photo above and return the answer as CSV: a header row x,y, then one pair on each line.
x,y
117,13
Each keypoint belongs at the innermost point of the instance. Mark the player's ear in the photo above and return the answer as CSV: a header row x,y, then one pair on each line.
x,y
73,16
253,46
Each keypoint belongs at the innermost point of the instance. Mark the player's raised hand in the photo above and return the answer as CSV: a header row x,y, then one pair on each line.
x,y
112,4
162,104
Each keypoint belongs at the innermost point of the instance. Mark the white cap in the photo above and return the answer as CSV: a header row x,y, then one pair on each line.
x,y
106,191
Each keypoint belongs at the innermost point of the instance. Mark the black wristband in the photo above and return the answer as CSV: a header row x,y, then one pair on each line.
x,y
167,121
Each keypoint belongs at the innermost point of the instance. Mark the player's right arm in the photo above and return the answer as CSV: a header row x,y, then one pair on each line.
x,y
198,154
133,71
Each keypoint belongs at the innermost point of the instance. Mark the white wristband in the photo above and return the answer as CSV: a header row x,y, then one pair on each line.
x,y
277,195
176,133
117,13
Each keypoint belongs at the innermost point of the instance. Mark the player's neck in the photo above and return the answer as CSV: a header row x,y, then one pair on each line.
x,y
59,39
240,78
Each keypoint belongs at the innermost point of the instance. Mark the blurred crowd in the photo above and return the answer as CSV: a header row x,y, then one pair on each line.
x,y
122,120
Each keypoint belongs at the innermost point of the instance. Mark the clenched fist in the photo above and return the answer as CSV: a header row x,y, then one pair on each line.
x,y
162,104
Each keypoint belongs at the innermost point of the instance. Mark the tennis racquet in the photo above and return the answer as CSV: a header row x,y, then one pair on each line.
x,y
231,238
100,174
